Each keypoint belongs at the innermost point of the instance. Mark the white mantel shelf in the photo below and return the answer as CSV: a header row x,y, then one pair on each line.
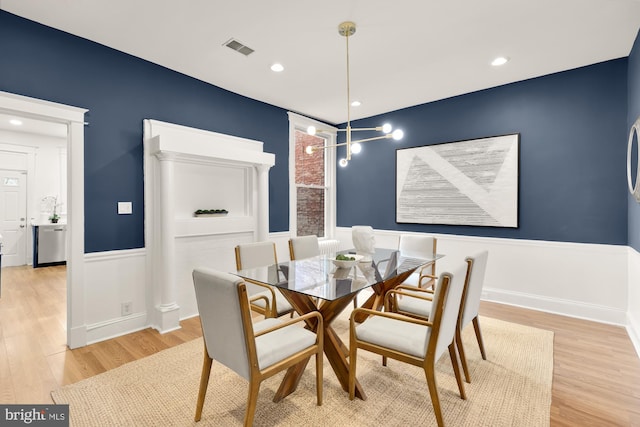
x,y
191,227
170,138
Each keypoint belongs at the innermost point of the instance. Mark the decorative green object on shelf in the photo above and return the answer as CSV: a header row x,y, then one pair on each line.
x,y
210,212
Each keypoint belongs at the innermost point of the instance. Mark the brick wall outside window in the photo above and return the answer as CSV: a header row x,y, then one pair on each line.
x,y
310,172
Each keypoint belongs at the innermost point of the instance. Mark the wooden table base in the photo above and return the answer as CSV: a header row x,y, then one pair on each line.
x,y
335,350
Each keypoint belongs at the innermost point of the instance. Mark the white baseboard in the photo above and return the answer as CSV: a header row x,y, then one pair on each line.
x,y
77,337
116,327
562,307
633,329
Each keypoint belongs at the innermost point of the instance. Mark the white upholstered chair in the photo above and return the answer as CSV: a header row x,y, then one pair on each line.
x,y
419,246
264,299
415,341
255,351
302,247
416,302
471,306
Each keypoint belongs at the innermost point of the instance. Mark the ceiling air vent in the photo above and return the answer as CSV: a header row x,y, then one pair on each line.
x,y
239,47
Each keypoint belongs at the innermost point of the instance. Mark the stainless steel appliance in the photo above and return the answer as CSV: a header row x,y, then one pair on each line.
x,y
49,246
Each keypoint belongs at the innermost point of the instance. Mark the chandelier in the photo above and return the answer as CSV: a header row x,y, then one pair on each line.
x,y
347,29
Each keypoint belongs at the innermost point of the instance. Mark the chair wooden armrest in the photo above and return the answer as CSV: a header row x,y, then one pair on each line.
x,y
414,288
290,322
271,310
369,312
427,277
393,293
267,303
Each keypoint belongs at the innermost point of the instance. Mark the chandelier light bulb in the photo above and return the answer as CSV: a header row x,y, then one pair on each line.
x,y
347,29
397,134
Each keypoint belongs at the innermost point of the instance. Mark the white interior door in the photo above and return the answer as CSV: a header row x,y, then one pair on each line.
x,y
13,213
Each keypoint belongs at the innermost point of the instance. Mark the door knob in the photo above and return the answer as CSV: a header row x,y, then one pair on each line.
x,y
21,225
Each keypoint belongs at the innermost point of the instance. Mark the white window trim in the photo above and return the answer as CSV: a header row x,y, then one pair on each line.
x,y
298,122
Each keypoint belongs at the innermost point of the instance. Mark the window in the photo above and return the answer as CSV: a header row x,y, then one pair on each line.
x,y
11,182
311,179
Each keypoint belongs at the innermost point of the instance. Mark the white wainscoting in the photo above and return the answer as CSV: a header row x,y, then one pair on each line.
x,y
215,251
578,280
595,282
112,278
633,308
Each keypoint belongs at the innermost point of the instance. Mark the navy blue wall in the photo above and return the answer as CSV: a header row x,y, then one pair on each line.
x,y
573,128
573,135
121,91
633,114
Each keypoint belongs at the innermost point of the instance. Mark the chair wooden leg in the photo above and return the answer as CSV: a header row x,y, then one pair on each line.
x,y
204,383
252,400
384,360
476,327
463,357
353,358
429,371
319,358
456,370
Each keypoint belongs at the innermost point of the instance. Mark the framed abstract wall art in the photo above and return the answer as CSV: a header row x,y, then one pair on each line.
x,y
472,182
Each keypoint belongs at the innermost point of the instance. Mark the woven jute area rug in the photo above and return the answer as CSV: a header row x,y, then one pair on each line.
x,y
511,388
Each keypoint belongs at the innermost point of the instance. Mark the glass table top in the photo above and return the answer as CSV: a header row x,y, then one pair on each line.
x,y
319,277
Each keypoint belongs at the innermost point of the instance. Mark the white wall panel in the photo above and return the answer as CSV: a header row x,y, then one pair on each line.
x,y
633,308
580,280
113,278
596,282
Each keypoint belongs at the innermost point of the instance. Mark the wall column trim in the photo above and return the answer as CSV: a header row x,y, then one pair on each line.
x,y
168,309
263,201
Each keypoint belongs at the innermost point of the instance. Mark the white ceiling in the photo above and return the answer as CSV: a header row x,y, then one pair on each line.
x,y
404,52
33,126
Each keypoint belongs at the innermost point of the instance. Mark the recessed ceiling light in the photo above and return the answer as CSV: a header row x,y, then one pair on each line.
x,y
277,67
356,104
501,60
15,122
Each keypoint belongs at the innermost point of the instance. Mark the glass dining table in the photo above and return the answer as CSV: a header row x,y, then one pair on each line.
x,y
316,284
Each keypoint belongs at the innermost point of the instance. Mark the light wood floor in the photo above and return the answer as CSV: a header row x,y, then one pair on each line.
x,y
596,379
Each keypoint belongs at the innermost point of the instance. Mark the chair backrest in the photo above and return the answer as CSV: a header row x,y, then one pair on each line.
x,y
446,318
256,254
473,291
303,247
221,318
418,246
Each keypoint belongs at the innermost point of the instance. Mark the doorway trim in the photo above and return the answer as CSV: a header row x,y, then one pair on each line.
x,y
73,117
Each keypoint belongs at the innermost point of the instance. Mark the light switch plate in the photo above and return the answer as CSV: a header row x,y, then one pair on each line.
x,y
125,208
